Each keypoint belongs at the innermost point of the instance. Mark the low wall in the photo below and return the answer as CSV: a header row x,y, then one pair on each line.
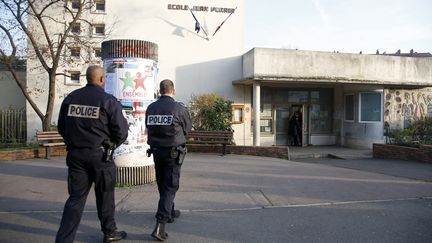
x,y
31,153
280,152
389,151
270,151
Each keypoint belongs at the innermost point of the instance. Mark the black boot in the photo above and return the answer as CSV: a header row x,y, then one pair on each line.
x,y
159,232
114,236
175,214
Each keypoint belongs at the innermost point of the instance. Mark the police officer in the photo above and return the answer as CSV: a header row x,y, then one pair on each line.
x,y
91,123
167,123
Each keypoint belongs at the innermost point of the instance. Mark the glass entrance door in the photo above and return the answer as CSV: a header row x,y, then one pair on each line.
x,y
305,126
298,128
282,121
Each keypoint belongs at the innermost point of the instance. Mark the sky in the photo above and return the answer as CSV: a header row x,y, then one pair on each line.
x,y
348,26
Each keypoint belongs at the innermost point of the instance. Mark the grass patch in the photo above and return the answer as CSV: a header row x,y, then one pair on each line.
x,y
118,185
17,146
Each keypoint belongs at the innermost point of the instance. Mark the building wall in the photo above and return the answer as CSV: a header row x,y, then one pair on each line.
x,y
403,106
198,66
336,67
361,134
10,94
195,64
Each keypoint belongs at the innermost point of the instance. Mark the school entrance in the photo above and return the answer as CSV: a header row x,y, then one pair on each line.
x,y
292,125
295,116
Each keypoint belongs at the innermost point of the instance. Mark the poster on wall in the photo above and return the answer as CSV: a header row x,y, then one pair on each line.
x,y
132,82
130,79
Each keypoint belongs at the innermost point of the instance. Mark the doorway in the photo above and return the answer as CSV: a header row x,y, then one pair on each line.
x,y
292,125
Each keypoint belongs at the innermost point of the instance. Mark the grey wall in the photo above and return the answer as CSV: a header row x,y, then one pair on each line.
x,y
336,67
10,94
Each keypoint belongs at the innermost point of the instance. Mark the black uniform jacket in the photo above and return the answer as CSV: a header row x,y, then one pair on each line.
x,y
167,123
88,116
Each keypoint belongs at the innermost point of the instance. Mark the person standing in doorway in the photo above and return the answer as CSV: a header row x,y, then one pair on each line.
x,y
92,125
295,128
167,123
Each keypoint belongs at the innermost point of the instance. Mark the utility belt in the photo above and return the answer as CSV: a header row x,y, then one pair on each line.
x,y
106,147
178,152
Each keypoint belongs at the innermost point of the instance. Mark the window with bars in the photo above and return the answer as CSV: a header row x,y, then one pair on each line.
x,y
99,29
73,78
100,6
76,28
75,52
75,4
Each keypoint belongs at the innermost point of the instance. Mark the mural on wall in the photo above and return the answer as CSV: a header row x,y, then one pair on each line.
x,y
403,106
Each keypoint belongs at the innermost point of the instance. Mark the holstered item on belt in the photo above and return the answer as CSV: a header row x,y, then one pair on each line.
x,y
178,153
108,150
149,152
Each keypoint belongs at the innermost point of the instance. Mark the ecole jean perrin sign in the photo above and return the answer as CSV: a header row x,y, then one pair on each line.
x,y
185,7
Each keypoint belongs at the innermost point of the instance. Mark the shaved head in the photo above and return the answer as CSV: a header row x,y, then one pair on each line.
x,y
166,87
95,75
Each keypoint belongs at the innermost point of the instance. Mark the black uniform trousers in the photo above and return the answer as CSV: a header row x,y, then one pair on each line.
x,y
85,167
168,182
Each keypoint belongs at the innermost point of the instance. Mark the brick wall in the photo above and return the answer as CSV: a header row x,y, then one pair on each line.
x,y
31,153
272,151
389,151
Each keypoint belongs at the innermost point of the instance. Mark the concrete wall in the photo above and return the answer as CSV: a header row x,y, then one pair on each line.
x,y
10,94
361,134
336,67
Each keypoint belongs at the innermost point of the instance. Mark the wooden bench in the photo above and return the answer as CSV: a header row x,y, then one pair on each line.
x,y
211,137
49,139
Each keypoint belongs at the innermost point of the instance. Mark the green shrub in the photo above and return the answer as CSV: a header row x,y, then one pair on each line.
x,y
422,130
210,112
419,132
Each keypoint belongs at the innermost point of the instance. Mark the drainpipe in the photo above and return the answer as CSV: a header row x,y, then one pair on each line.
x,y
257,111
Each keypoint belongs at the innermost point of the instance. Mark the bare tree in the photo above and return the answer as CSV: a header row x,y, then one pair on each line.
x,y
43,30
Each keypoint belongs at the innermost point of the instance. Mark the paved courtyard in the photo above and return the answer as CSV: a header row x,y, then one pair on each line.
x,y
236,198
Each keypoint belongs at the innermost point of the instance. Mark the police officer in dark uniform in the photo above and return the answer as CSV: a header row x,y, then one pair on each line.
x,y
167,123
92,124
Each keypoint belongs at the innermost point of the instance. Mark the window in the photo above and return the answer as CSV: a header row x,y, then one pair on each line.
x,y
237,117
297,96
321,111
75,52
349,107
370,107
266,112
97,52
76,28
73,77
76,4
100,5
99,29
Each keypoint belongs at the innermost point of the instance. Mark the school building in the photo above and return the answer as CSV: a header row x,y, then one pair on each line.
x,y
343,99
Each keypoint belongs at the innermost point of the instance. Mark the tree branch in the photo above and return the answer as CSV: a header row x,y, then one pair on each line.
x,y
22,86
11,40
43,26
29,34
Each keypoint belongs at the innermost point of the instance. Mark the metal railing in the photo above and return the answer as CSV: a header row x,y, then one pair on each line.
x,y
13,126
